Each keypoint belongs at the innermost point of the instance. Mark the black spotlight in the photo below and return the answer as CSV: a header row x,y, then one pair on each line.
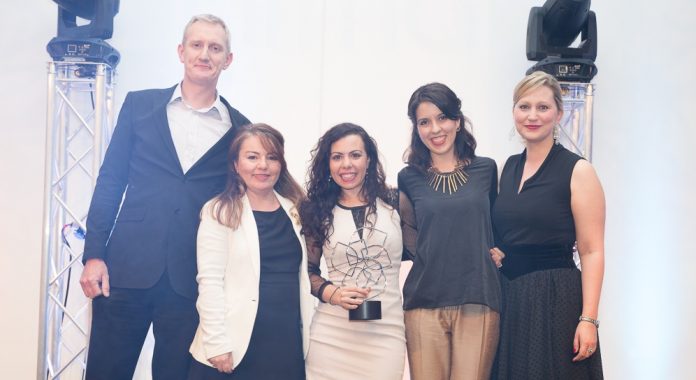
x,y
85,43
551,30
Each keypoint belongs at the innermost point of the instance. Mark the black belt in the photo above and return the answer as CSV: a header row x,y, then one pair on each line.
x,y
522,259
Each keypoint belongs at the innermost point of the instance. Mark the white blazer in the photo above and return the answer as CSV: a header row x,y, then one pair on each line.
x,y
228,284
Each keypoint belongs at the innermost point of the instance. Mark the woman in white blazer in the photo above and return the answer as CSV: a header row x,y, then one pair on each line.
x,y
254,296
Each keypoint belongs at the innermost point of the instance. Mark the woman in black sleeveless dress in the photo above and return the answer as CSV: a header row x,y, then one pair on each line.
x,y
549,199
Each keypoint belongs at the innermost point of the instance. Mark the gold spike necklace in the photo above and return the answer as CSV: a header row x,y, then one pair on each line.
x,y
450,181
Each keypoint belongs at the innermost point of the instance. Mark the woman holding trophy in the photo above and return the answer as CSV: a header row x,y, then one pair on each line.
x,y
350,219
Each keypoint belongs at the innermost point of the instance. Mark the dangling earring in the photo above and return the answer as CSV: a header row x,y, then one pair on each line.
x,y
512,132
329,179
556,134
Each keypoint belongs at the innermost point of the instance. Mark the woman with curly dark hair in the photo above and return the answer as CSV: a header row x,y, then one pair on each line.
x,y
350,219
452,294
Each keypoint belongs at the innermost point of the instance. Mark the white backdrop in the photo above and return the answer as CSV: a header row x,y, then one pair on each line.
x,y
303,66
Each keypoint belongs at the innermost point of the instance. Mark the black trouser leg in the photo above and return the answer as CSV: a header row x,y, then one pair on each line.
x,y
119,326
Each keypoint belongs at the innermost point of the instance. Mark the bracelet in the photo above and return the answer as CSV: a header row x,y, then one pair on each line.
x,y
588,319
320,291
332,294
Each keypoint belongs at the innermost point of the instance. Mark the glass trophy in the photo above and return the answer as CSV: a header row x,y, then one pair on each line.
x,y
361,263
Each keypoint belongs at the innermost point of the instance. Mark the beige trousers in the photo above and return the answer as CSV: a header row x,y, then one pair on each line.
x,y
451,342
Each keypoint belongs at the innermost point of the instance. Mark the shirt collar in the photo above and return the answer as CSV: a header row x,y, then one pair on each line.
x,y
213,110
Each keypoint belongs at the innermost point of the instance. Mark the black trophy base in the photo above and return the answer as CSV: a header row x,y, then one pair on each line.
x,y
368,311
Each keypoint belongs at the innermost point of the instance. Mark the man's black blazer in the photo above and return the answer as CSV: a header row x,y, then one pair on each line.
x,y
157,224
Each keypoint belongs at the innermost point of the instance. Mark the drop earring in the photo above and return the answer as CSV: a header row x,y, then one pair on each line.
x,y
512,133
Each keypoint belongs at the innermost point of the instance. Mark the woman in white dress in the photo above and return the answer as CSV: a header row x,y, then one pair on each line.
x,y
350,219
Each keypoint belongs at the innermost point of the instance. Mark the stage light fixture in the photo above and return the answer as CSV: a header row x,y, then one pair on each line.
x,y
85,43
552,29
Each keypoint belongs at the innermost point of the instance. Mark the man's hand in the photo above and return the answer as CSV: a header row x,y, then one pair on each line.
x,y
95,278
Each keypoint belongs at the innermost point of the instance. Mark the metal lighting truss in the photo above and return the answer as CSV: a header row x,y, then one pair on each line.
x,y
79,120
575,130
576,124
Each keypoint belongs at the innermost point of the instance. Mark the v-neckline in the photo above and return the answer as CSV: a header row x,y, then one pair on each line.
x,y
359,209
519,185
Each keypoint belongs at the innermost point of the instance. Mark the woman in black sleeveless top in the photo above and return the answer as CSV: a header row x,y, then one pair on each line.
x,y
549,199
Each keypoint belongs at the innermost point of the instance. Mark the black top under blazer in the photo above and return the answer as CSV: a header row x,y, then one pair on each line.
x,y
157,224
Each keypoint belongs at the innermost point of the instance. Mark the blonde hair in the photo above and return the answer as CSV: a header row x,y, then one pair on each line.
x,y
211,19
535,80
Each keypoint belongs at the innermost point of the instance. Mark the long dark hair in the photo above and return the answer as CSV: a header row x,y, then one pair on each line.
x,y
316,212
446,100
227,207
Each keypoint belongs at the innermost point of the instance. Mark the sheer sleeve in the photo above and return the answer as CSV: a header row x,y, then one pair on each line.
x,y
317,282
408,226
393,198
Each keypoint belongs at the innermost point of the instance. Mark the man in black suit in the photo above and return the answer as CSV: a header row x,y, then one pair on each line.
x,y
167,157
